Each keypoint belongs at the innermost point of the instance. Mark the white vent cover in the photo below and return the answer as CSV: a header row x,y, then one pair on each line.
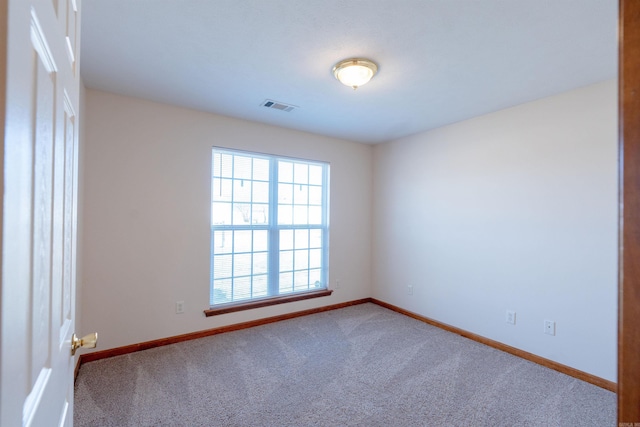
x,y
269,103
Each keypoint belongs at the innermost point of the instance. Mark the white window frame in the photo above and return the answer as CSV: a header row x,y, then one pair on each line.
x,y
273,228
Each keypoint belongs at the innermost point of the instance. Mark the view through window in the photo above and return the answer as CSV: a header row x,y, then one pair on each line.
x,y
269,226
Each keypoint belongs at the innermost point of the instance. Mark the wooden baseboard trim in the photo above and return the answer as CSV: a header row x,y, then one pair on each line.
x,y
567,370
77,369
119,351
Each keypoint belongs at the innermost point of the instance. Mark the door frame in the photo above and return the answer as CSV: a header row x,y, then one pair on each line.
x,y
629,214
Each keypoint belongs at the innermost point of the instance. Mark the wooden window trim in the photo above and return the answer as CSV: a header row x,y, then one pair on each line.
x,y
265,302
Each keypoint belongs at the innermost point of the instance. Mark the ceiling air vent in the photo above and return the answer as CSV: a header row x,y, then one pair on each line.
x,y
278,105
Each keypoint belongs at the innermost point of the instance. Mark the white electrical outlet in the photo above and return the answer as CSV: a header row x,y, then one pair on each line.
x,y
549,327
179,307
409,289
337,284
511,317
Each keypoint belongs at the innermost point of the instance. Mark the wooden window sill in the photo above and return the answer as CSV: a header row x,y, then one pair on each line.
x,y
265,302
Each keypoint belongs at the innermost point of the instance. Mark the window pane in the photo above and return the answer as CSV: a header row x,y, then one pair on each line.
x,y
315,238
222,242
241,265
300,173
259,214
222,266
315,215
285,171
260,240
241,288
285,193
301,259
301,280
242,167
314,278
242,241
286,283
221,189
286,239
222,291
300,194
286,260
261,169
260,263
315,258
260,286
226,167
302,239
217,166
315,195
285,214
260,192
241,213
220,213
315,174
300,215
242,191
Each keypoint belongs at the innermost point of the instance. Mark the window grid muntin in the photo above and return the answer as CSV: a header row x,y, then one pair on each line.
x,y
296,204
301,176
234,276
295,252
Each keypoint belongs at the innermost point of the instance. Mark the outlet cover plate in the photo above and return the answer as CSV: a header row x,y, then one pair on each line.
x,y
179,307
549,327
511,317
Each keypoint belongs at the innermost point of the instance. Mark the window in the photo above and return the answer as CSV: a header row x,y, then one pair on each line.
x,y
269,226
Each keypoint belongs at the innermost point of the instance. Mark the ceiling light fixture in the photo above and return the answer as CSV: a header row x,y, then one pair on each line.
x,y
355,72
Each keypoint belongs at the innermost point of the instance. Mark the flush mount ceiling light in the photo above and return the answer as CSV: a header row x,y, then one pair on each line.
x,y
355,72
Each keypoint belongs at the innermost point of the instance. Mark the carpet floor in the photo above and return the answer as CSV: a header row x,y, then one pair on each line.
x,y
358,366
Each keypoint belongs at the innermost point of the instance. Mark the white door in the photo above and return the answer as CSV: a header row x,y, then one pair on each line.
x,y
40,105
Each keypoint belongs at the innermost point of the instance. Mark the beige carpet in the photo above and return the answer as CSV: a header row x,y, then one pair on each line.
x,y
358,366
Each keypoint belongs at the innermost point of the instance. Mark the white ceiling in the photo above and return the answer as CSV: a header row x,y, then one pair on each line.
x,y
440,61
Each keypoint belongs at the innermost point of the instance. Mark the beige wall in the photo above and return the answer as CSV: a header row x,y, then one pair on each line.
x,y
513,210
146,210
